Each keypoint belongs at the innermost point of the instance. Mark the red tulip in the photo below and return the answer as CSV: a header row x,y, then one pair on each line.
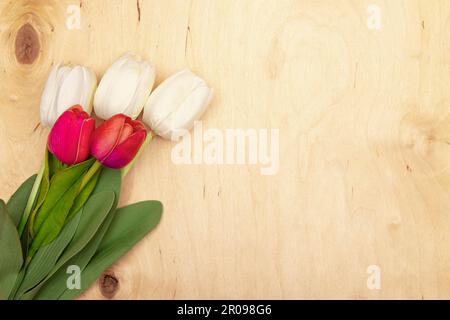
x,y
69,140
117,140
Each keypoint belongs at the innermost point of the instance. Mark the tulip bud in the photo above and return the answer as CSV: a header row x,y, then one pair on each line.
x,y
176,103
70,137
65,87
117,141
124,88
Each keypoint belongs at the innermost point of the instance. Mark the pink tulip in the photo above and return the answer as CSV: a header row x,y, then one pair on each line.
x,y
70,138
117,140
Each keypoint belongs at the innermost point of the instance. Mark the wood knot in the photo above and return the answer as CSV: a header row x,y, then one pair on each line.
x,y
109,285
27,44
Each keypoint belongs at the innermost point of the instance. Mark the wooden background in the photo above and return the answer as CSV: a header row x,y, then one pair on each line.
x,y
364,119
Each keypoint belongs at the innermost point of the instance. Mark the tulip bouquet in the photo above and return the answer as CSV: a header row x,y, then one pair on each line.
x,y
66,216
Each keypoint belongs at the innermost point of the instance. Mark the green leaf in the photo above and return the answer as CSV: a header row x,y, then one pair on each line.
x,y
129,225
25,241
17,284
18,201
54,164
37,195
41,187
52,216
54,287
55,222
92,217
60,184
84,194
47,256
110,180
10,252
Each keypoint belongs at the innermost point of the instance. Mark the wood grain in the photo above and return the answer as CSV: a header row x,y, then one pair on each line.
x,y
364,119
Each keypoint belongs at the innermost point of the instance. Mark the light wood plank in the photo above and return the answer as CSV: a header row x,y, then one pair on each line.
x,y
364,123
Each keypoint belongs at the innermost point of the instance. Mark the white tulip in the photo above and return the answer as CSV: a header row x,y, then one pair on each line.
x,y
67,86
176,104
124,88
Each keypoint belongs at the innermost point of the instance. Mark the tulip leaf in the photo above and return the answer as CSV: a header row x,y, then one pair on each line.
x,y
55,221
60,184
10,252
25,242
54,164
45,258
19,279
40,188
130,224
84,194
64,187
18,201
51,166
110,180
92,217
54,287
55,283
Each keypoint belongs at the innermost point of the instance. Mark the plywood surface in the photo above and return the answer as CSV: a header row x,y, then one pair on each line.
x,y
364,119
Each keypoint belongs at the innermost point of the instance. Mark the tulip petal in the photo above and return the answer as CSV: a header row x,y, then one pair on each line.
x,y
66,86
64,138
117,141
168,96
89,85
136,124
142,92
175,105
127,130
126,151
117,88
71,90
185,116
124,88
57,143
84,140
126,83
61,76
106,136
101,95
48,97
190,110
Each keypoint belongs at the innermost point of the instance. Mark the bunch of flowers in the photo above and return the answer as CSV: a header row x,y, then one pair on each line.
x,y
67,215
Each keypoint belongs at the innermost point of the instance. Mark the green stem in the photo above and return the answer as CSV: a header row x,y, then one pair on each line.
x,y
19,280
31,199
90,173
